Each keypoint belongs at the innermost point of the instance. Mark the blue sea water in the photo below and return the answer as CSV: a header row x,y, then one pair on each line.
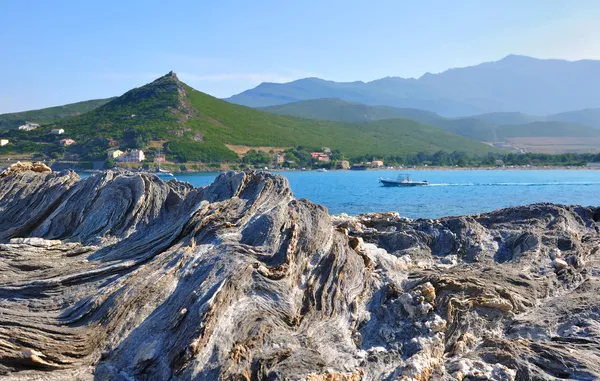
x,y
455,192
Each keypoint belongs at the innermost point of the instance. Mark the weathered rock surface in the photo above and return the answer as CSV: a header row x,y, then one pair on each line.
x,y
123,276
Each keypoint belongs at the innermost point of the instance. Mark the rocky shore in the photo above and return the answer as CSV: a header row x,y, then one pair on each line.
x,y
122,276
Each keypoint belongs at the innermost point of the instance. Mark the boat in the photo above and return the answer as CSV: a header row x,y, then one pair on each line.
x,y
163,173
321,170
403,180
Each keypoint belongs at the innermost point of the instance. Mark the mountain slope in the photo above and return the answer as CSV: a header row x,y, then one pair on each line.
x,y
50,114
493,127
339,110
587,117
197,126
512,84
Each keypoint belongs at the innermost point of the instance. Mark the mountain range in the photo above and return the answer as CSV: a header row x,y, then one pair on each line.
x,y
194,126
512,84
577,131
518,103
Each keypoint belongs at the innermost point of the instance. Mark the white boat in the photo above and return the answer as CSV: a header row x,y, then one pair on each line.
x,y
163,173
321,170
403,180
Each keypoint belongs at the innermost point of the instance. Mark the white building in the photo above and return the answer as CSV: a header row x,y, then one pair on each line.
x,y
29,127
58,131
3,142
133,156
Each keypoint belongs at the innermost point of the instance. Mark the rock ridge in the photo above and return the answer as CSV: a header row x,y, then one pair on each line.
x,y
123,276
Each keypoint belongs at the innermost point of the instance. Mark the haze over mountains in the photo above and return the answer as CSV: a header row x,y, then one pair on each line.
x,y
577,131
512,84
518,103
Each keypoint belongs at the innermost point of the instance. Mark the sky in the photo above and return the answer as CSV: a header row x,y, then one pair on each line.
x,y
63,51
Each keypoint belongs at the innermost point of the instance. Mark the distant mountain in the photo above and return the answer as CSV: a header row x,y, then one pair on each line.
x,y
512,84
588,117
339,110
198,127
508,118
493,127
50,114
546,129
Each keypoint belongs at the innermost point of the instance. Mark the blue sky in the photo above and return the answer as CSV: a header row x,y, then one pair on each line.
x,y
57,52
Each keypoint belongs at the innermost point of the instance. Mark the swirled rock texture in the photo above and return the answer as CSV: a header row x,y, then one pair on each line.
x,y
122,276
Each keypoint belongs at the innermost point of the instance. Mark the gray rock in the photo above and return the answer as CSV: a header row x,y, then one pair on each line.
x,y
123,276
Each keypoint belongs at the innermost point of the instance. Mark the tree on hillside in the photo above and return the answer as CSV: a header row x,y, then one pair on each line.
x,y
255,157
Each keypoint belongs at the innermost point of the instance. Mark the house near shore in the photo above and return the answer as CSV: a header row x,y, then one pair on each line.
x,y
320,156
133,156
377,164
359,167
57,131
115,153
28,127
3,142
160,158
343,164
279,159
67,142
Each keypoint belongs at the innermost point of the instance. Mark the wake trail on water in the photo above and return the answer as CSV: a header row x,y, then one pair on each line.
x,y
514,184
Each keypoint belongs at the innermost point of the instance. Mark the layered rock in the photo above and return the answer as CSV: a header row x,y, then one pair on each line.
x,y
123,276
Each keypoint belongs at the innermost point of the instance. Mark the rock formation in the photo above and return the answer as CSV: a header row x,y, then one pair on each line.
x,y
122,276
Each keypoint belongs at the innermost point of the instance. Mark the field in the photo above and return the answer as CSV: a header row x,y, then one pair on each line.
x,y
554,145
242,150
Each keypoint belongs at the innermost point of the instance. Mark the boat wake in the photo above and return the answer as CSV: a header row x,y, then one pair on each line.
x,y
513,184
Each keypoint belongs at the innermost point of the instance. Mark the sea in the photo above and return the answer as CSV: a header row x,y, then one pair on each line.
x,y
450,193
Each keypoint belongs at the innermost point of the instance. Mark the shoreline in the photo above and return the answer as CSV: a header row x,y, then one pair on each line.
x,y
409,170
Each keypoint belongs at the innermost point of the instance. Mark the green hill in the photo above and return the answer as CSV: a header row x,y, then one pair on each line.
x,y
508,118
340,110
588,117
197,127
491,127
48,115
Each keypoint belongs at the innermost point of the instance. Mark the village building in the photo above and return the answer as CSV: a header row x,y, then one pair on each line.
x,y
160,158
133,156
3,142
327,150
57,131
67,142
279,159
320,156
377,163
115,153
343,164
28,127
